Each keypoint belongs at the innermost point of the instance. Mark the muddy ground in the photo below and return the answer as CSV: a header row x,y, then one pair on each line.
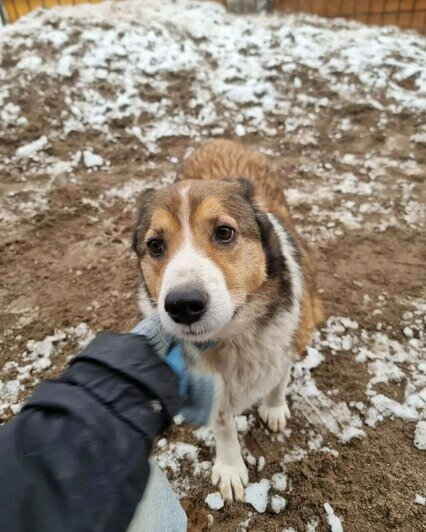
x,y
65,256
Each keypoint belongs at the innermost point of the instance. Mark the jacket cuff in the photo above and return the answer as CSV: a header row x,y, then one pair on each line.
x,y
131,357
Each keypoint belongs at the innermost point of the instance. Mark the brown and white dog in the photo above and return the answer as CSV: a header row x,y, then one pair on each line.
x,y
221,260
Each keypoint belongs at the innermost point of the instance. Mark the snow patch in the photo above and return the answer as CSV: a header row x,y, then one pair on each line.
x,y
312,525
91,159
242,423
30,150
419,499
279,481
420,436
170,458
256,494
261,463
26,369
334,522
278,503
214,501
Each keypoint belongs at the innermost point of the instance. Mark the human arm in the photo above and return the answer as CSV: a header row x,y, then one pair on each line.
x,y
76,457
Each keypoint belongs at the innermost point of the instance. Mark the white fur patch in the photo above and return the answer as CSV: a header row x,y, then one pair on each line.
x,y
191,267
296,277
144,300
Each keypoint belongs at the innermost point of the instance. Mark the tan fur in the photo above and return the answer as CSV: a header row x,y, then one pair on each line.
x,y
243,265
218,159
161,222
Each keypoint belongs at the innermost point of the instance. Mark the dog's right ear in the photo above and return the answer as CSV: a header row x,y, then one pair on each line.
x,y
143,218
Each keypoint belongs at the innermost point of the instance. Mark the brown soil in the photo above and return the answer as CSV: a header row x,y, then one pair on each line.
x,y
72,263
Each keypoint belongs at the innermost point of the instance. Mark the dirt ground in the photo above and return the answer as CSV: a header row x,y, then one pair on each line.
x,y
354,170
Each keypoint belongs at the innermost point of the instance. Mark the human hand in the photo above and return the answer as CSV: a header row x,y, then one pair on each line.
x,y
198,390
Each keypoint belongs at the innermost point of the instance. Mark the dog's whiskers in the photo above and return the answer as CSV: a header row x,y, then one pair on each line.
x,y
133,320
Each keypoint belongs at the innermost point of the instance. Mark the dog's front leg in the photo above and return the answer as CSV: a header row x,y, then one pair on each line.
x,y
274,411
229,470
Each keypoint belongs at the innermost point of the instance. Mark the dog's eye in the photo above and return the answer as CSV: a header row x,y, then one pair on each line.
x,y
224,234
156,246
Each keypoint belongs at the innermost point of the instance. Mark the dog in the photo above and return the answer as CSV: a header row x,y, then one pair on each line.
x,y
221,260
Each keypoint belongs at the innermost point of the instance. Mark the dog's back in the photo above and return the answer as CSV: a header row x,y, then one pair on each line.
x,y
219,159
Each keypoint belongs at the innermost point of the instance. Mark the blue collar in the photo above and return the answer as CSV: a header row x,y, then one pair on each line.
x,y
205,346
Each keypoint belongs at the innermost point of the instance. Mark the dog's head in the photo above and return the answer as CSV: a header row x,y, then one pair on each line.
x,y
204,249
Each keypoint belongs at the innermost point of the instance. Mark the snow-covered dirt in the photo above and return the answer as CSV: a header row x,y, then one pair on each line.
x,y
99,102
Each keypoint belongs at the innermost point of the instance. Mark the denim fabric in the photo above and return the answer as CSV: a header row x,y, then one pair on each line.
x,y
159,509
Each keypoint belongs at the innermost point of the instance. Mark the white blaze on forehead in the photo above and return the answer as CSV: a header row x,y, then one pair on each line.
x,y
190,267
185,215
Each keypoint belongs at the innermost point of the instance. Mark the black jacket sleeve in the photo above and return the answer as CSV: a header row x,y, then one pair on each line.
x,y
76,457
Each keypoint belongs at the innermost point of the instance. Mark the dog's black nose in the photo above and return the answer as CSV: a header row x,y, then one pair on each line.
x,y
186,305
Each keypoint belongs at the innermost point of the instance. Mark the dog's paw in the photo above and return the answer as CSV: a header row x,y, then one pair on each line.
x,y
274,417
231,479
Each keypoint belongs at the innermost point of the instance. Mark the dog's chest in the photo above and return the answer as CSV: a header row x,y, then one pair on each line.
x,y
250,369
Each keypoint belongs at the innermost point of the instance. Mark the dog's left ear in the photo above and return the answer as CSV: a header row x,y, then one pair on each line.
x,y
271,244
247,189
269,238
